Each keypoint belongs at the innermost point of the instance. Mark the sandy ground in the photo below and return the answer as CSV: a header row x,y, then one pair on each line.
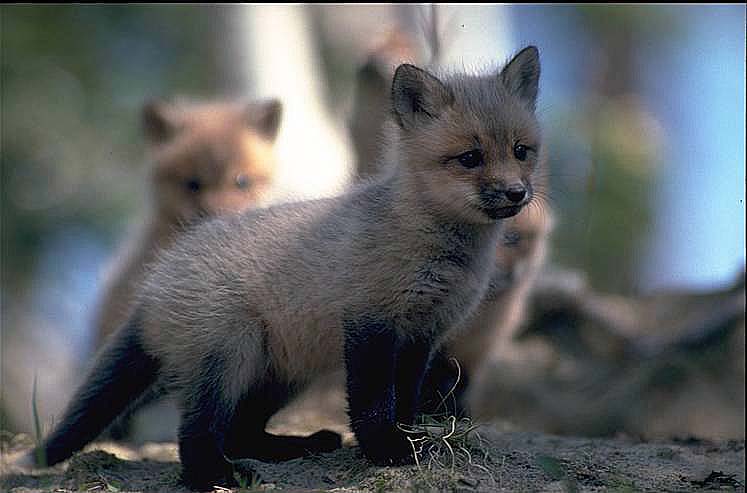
x,y
512,461
500,459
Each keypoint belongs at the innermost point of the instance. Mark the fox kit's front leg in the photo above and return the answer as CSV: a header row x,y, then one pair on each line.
x,y
384,375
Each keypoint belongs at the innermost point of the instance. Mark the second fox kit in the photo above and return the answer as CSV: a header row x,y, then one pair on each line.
x,y
209,159
243,311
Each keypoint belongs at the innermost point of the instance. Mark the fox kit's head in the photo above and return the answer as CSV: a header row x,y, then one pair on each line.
x,y
470,143
210,158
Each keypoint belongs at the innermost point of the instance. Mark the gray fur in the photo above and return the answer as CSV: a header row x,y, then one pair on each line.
x,y
270,289
275,286
262,297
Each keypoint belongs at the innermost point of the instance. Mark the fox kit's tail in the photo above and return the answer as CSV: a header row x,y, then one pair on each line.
x,y
122,372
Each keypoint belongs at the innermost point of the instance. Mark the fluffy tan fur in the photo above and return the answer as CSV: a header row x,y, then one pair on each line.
x,y
281,281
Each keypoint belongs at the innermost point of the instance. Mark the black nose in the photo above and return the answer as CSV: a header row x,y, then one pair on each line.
x,y
516,194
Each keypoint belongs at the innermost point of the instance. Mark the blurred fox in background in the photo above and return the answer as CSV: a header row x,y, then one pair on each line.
x,y
209,158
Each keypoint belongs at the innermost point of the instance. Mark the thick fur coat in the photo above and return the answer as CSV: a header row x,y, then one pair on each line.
x,y
242,311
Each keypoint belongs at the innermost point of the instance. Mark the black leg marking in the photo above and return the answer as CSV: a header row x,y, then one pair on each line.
x,y
121,428
376,374
247,436
444,388
122,372
206,416
277,448
412,361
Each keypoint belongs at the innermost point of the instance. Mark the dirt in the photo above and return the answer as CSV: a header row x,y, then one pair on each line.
x,y
495,456
500,460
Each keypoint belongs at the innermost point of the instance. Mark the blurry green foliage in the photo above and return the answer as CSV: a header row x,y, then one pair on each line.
x,y
607,214
645,20
607,203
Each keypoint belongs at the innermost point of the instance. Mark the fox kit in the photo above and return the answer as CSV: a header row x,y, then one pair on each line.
x,y
209,158
244,310
519,256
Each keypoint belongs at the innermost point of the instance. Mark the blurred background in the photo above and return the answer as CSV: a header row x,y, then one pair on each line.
x,y
643,109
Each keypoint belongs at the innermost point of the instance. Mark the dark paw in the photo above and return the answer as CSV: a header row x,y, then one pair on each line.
x,y
325,441
387,447
206,484
205,479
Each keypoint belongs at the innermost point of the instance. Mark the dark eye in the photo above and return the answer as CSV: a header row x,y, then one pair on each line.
x,y
193,185
242,181
470,159
520,151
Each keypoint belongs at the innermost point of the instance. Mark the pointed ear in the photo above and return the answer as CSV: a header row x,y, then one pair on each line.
x,y
160,121
265,117
521,75
417,95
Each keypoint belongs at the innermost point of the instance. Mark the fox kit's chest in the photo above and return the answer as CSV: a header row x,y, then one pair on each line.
x,y
445,286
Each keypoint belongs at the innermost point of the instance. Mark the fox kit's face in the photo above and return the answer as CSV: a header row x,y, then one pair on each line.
x,y
472,143
211,159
